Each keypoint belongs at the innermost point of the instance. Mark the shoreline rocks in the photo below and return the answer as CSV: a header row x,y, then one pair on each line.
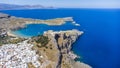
x,y
64,40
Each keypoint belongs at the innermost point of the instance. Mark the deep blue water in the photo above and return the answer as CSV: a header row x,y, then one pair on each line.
x,y
99,46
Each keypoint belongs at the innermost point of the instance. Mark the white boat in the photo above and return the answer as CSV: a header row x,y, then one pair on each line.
x,y
77,24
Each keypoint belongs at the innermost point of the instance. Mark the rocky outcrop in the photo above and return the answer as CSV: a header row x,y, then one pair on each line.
x,y
2,15
64,40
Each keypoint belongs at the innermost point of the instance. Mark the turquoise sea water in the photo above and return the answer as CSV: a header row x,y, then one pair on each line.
x,y
40,28
99,45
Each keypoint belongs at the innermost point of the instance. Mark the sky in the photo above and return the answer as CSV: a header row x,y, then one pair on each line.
x,y
68,3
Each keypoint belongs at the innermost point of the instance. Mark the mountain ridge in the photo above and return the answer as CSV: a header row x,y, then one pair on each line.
x,y
17,7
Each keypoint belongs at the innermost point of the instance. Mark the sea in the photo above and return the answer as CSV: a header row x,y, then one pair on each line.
x,y
98,47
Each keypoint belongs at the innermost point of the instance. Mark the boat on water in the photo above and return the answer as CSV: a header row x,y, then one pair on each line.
x,y
77,24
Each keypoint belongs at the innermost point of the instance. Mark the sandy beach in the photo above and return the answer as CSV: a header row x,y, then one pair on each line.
x,y
11,34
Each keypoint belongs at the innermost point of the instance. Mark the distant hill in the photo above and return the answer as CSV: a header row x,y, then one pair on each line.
x,y
17,7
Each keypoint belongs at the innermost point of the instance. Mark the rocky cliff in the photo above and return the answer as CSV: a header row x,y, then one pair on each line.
x,y
64,40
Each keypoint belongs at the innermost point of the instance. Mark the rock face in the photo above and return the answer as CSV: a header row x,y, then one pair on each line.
x,y
64,41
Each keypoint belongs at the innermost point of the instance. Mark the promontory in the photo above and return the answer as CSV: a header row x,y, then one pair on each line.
x,y
50,50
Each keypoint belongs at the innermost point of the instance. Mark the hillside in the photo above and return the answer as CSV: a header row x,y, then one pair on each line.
x,y
17,7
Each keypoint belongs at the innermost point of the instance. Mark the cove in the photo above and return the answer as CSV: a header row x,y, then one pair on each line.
x,y
99,46
38,29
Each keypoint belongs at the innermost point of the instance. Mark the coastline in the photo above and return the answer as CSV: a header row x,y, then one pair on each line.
x,y
11,34
16,23
61,40
86,46
64,45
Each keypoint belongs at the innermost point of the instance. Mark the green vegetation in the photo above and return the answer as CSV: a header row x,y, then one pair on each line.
x,y
9,39
41,40
15,41
51,48
46,47
3,40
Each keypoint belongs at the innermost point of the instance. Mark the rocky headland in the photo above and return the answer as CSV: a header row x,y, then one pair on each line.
x,y
13,23
53,49
64,40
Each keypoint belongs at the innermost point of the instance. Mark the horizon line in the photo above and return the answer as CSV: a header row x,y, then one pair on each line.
x,y
81,7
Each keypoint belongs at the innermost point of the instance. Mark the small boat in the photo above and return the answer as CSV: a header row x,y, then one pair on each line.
x,y
77,24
